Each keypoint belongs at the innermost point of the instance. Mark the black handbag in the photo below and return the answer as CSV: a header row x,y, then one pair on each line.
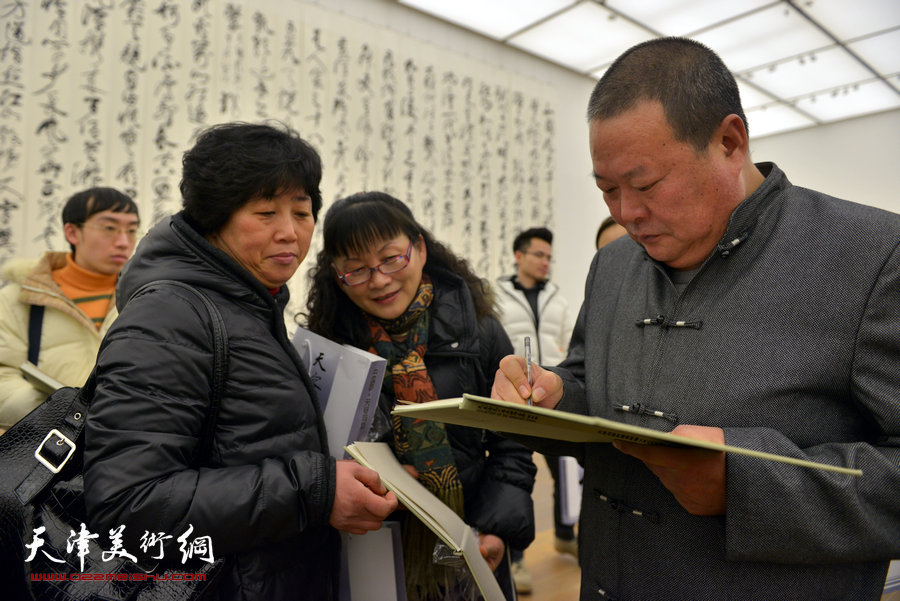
x,y
42,497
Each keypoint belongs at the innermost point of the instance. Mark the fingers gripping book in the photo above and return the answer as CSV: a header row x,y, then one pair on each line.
x,y
437,516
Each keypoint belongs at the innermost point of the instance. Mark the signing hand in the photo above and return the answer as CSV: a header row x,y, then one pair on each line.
x,y
511,383
695,476
361,502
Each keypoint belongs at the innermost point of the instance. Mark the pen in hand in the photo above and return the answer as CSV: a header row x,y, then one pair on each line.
x,y
528,366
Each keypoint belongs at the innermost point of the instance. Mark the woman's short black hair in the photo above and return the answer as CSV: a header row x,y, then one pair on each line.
x,y
233,163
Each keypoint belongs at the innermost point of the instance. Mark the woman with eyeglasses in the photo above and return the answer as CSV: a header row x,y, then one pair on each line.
x,y
382,283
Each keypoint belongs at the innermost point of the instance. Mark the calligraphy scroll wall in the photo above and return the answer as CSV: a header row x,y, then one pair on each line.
x,y
112,92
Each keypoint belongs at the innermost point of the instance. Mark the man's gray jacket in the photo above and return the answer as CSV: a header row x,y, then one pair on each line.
x,y
788,338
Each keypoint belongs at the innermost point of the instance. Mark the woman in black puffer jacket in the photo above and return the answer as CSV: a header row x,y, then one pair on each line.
x,y
383,284
266,493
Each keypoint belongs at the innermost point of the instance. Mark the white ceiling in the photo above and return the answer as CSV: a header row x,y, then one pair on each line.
x,y
798,63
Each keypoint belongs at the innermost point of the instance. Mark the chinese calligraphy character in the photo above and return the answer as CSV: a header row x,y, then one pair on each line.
x,y
117,550
81,539
149,539
37,543
201,547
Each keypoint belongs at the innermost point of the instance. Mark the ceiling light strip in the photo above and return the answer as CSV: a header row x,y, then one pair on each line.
x,y
819,26
795,57
541,21
776,100
845,88
732,19
873,34
620,15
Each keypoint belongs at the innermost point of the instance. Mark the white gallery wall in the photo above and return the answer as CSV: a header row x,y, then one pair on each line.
x,y
853,159
856,159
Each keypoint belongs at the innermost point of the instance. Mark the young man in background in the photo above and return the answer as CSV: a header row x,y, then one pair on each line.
x,y
55,310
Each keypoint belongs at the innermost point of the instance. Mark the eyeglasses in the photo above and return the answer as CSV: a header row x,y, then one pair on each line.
x,y
541,255
113,231
364,274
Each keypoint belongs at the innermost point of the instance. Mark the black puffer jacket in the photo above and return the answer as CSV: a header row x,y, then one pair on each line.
x,y
264,495
463,355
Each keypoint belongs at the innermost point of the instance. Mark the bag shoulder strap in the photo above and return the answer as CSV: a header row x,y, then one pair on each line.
x,y
220,357
35,325
61,442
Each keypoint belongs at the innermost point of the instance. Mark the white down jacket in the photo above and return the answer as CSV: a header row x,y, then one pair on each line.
x,y
69,341
550,332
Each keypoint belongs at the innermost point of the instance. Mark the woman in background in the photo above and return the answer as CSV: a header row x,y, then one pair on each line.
x,y
383,284
265,492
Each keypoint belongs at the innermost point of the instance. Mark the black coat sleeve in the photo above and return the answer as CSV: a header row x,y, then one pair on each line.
x,y
502,504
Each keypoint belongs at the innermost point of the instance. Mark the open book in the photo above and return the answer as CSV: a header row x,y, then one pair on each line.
x,y
512,418
439,518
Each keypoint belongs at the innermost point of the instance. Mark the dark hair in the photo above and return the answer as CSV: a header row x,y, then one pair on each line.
x,y
351,226
606,223
232,163
523,240
87,203
691,82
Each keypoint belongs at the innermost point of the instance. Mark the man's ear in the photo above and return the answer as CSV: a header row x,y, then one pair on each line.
x,y
72,233
518,255
732,138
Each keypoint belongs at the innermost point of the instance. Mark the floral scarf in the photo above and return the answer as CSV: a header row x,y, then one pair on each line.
x,y
421,443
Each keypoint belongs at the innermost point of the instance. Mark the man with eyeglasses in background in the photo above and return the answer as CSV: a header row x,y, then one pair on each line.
x,y
531,305
55,310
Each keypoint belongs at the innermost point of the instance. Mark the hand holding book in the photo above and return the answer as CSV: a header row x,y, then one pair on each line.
x,y
492,549
361,502
695,477
516,418
439,518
